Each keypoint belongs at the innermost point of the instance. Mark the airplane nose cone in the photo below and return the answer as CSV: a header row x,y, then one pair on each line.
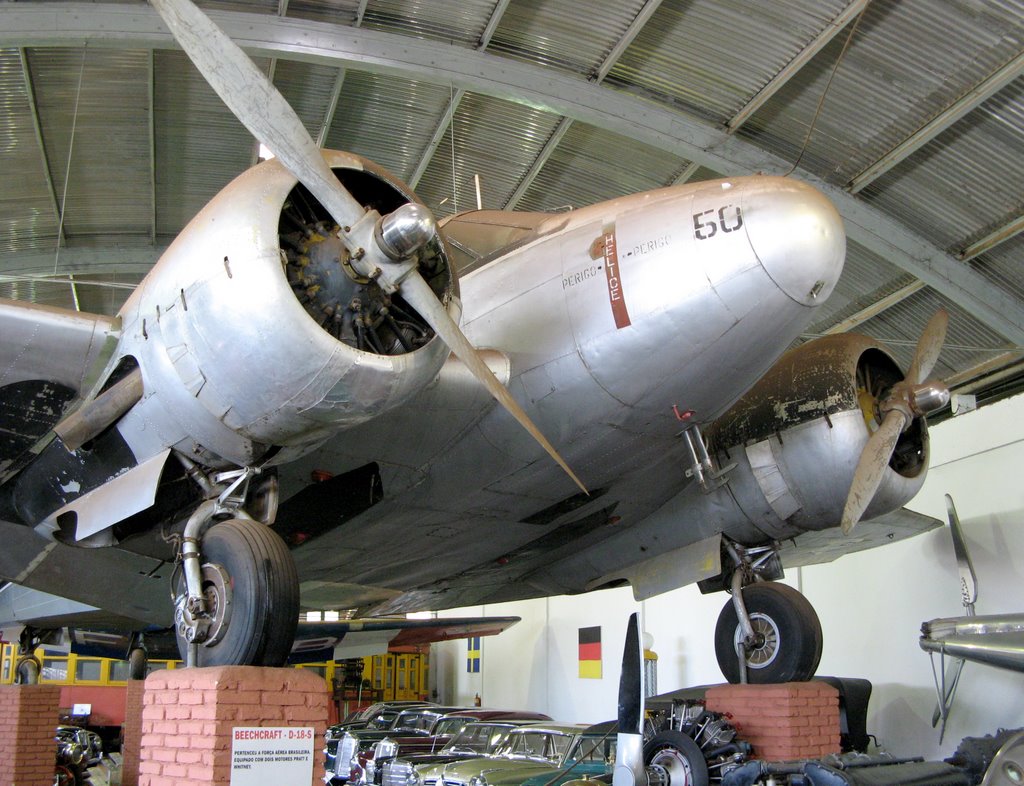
x,y
798,237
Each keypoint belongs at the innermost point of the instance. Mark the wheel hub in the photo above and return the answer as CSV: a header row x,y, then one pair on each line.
x,y
671,768
764,646
206,626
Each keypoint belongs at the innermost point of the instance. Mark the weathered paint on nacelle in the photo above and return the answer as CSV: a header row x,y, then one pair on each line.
x,y
796,456
231,362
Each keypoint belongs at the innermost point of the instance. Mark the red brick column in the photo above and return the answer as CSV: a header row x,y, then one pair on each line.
x,y
132,737
28,722
795,720
188,716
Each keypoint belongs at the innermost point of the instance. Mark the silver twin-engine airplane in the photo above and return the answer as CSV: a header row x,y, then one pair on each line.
x,y
297,407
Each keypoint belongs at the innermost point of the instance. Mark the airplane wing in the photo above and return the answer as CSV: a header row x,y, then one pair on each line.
x,y
47,359
96,632
816,547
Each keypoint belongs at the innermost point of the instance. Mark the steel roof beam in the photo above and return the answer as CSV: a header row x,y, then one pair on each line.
x,y
151,133
597,77
435,141
492,24
81,261
37,128
974,98
876,308
538,163
684,177
993,239
689,137
803,57
332,108
448,116
641,19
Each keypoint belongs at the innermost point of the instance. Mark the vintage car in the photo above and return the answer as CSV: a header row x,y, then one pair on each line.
x,y
551,753
477,739
378,717
344,744
371,760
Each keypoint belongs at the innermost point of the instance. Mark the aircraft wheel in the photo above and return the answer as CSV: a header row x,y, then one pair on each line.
x,y
678,756
251,590
789,633
27,670
137,662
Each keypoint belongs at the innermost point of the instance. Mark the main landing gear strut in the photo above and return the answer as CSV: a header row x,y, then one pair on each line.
x,y
236,598
768,632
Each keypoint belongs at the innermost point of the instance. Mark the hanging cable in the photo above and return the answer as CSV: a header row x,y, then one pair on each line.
x,y
67,170
828,84
451,125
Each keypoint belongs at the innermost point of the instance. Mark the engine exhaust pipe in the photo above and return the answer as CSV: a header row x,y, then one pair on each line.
x,y
89,420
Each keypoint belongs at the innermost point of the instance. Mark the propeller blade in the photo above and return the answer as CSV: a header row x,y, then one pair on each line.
x,y
929,345
419,295
255,101
873,461
629,743
631,692
968,578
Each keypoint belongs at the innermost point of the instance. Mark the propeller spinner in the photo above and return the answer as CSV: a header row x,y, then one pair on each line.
x,y
381,248
911,398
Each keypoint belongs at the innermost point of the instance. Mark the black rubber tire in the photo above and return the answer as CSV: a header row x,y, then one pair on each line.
x,y
138,662
680,756
797,650
265,595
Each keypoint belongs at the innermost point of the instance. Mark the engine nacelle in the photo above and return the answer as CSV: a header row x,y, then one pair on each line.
x,y
797,436
255,337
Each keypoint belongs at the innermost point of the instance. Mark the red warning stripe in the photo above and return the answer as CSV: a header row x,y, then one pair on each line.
x,y
611,271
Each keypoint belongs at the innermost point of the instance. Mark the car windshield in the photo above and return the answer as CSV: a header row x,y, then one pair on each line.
x,y
544,746
593,750
449,726
478,738
416,721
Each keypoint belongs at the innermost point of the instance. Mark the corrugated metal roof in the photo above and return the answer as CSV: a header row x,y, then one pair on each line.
x,y
591,164
712,57
388,120
965,178
549,32
906,63
492,138
200,145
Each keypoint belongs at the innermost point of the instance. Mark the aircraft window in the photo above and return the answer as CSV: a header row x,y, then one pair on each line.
x,y
479,235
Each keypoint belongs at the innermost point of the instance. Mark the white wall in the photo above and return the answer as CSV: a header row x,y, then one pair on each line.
x,y
871,606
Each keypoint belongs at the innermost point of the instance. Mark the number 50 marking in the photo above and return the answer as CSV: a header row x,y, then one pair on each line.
x,y
705,226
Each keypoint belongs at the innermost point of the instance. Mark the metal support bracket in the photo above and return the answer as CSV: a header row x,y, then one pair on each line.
x,y
701,466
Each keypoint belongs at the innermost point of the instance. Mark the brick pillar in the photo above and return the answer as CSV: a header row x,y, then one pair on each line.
x,y
188,716
795,720
132,736
28,722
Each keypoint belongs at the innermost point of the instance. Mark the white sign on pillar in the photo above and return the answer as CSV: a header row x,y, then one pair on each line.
x,y
270,754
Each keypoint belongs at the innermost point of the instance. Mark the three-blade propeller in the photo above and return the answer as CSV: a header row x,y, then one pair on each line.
x,y
908,399
255,101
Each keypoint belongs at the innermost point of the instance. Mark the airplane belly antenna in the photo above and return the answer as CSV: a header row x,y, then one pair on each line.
x,y
382,248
